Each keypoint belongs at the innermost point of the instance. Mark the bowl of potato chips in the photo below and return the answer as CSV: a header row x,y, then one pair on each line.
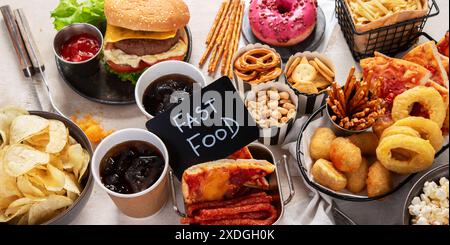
x,y
44,168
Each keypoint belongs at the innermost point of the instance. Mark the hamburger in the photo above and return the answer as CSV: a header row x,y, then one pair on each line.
x,y
141,33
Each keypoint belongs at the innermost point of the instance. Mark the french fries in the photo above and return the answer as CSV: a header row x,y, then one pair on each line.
x,y
366,11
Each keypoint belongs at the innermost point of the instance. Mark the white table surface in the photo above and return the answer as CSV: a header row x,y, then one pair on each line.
x,y
15,90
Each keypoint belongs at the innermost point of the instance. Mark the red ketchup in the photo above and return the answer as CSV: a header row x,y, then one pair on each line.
x,y
80,48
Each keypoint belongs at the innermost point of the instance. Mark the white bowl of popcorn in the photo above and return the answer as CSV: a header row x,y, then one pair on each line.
x,y
274,107
427,202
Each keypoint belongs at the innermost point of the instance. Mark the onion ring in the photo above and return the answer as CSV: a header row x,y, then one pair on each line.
x,y
403,130
421,158
428,129
427,97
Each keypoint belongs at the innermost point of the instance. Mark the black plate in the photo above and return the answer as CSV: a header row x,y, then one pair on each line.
x,y
343,196
103,87
309,44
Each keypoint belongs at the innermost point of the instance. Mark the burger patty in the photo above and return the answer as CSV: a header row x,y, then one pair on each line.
x,y
143,47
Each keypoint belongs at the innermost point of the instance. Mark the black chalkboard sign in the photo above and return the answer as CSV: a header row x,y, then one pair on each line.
x,y
209,125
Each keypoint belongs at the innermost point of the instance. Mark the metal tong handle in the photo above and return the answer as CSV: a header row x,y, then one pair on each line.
x,y
289,180
174,196
29,42
19,46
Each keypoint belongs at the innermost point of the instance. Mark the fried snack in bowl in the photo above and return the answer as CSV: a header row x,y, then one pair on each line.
x,y
353,108
404,154
321,143
344,155
425,96
327,175
309,72
367,142
356,180
428,129
379,180
255,64
44,176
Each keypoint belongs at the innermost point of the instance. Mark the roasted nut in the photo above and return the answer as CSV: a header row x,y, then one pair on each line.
x,y
284,95
283,111
291,113
262,98
288,106
284,101
284,120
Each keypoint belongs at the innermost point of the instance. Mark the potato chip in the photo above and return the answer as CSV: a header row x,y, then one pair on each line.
x,y
26,126
86,159
74,159
56,162
45,210
8,186
6,201
27,188
73,196
11,213
22,202
58,135
39,141
53,179
71,184
7,115
19,159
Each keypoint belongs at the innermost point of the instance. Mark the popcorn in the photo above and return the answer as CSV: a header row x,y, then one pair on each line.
x,y
432,206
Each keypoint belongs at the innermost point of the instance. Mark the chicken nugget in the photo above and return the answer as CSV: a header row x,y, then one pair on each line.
x,y
321,143
379,180
367,142
346,156
356,181
325,174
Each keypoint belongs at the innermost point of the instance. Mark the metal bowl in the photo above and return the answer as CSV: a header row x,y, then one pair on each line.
x,y
66,216
432,175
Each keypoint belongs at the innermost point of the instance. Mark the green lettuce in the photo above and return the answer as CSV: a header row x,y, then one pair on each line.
x,y
125,77
72,11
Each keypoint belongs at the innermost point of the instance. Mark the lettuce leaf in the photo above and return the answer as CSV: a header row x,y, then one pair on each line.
x,y
72,11
125,77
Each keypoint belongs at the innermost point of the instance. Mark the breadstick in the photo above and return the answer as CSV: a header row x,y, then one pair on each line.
x,y
213,41
216,21
236,44
225,40
226,65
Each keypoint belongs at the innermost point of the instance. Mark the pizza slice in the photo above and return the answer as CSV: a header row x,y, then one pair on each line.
x,y
427,55
243,153
392,77
222,179
443,45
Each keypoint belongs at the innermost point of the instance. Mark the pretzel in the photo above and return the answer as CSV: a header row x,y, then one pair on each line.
x,y
258,66
353,107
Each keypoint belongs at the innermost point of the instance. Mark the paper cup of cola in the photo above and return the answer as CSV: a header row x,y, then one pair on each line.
x,y
274,108
131,165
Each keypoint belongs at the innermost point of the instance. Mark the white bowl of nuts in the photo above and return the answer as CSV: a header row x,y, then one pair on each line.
x,y
274,107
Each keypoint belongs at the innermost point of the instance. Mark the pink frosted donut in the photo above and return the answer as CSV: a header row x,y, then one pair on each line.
x,y
282,22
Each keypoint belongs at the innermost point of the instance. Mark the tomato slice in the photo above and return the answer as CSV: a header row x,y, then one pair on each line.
x,y
127,68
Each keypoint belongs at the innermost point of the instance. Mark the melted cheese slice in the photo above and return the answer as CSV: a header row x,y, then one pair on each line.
x,y
114,34
121,58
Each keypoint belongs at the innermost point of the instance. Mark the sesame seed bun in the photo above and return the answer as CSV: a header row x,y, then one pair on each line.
x,y
147,15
